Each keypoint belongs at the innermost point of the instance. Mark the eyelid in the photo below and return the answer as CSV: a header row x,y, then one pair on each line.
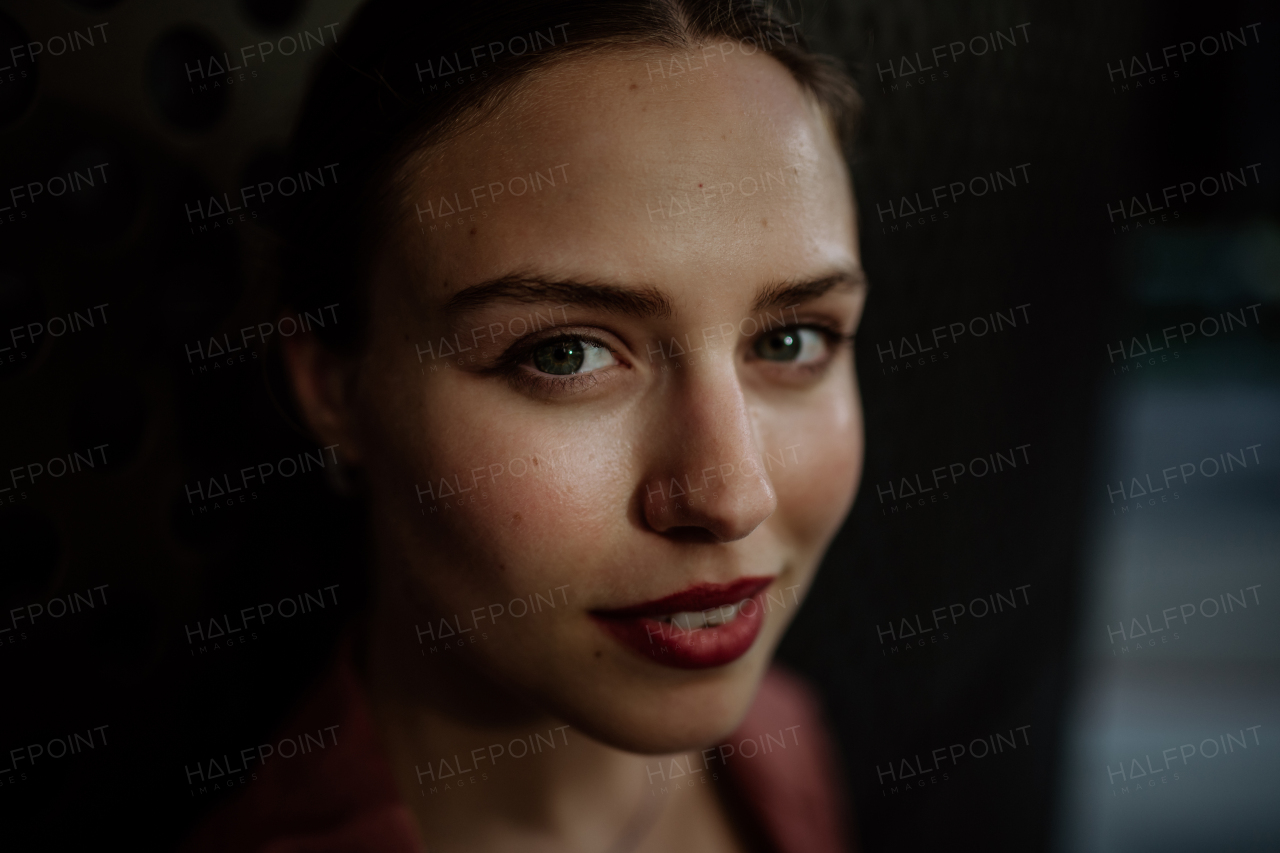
x,y
522,350
513,364
522,376
830,330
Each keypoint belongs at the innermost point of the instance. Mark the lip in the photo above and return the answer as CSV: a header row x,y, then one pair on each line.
x,y
638,628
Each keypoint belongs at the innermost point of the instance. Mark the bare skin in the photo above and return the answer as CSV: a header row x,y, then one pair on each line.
x,y
692,206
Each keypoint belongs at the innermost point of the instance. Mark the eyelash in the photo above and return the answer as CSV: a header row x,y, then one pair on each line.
x,y
836,341
512,362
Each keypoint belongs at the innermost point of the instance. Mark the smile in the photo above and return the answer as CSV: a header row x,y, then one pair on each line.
x,y
704,626
713,618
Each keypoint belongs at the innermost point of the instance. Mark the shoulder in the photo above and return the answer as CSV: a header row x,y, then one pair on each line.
x,y
786,769
340,797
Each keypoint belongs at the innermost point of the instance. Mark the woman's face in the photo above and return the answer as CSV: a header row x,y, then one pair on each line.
x,y
609,368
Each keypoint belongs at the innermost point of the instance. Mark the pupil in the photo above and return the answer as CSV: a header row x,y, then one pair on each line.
x,y
783,346
560,358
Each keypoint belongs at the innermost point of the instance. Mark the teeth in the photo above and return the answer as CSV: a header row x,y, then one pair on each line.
x,y
716,616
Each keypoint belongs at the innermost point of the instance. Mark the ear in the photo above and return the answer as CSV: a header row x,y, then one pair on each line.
x,y
323,386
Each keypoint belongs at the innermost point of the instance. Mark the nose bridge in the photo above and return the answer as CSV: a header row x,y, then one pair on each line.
x,y
715,416
709,474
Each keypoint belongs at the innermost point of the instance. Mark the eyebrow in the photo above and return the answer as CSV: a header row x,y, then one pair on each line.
x,y
787,294
640,302
643,302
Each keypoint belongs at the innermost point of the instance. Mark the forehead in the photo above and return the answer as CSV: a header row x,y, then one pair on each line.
x,y
648,167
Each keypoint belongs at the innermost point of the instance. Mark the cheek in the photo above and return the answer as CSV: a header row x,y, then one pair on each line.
x,y
816,488
541,492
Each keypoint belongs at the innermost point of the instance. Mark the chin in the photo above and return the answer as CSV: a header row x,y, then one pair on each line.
x,y
642,708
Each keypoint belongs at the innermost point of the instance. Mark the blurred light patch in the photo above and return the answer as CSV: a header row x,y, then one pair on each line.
x,y
1207,265
1174,731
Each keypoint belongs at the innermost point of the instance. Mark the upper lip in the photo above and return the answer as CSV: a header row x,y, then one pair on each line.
x,y
703,596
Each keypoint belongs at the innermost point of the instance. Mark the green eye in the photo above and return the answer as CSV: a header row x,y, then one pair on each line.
x,y
784,345
569,356
561,357
798,344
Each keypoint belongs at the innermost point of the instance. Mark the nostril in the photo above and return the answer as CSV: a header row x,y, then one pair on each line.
x,y
691,534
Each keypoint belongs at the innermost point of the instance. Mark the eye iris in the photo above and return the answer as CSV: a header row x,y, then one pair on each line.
x,y
560,358
781,346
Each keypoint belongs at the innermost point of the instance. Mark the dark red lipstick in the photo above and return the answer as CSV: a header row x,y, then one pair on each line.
x,y
703,626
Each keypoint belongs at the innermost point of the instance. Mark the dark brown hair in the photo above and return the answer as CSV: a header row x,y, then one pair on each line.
x,y
407,74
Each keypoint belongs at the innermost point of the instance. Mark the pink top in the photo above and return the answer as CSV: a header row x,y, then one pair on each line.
x,y
343,798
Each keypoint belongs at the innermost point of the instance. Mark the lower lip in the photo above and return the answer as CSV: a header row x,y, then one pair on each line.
x,y
701,648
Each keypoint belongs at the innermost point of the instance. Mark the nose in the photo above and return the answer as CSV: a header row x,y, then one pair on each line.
x,y
707,480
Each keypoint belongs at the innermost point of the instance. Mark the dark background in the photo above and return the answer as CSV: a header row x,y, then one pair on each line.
x,y
1048,383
